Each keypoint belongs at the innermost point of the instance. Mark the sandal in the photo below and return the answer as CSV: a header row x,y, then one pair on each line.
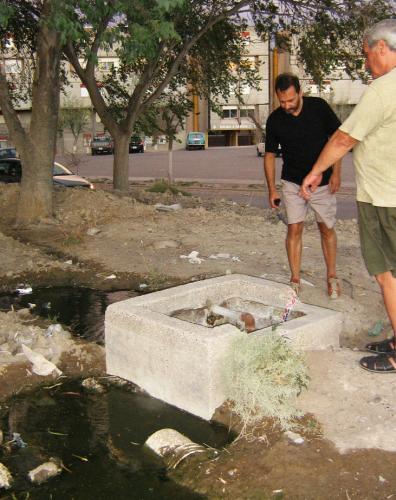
x,y
333,288
384,346
383,363
295,286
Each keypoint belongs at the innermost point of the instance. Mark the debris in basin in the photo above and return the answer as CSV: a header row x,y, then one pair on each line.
x,y
41,366
24,289
192,257
167,208
91,384
172,446
5,477
45,471
244,321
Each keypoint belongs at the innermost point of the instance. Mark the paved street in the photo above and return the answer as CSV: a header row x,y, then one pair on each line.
x,y
228,167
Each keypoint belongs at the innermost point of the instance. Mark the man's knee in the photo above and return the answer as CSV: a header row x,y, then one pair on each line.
x,y
326,232
385,279
295,230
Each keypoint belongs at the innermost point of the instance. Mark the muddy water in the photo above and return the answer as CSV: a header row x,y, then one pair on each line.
x,y
80,309
99,438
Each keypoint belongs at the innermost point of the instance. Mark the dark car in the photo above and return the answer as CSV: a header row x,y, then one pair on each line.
x,y
11,171
8,153
136,144
102,144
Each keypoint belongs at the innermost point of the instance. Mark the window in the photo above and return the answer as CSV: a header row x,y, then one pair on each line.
x,y
246,112
230,113
105,65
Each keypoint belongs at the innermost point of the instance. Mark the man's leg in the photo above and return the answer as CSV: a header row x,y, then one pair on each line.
x,y
328,240
294,249
387,282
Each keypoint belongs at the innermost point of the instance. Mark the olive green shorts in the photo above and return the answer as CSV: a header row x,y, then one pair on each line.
x,y
377,227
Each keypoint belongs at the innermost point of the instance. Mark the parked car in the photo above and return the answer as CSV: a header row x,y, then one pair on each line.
x,y
102,144
8,153
136,144
11,171
195,140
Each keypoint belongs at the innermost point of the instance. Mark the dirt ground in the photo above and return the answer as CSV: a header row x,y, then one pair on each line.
x,y
107,241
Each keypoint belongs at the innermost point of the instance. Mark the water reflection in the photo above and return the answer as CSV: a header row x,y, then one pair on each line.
x,y
81,309
99,438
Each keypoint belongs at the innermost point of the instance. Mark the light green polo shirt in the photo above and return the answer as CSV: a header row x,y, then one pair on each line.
x,y
373,123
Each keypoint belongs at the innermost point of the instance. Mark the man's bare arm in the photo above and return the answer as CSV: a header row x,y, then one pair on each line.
x,y
269,171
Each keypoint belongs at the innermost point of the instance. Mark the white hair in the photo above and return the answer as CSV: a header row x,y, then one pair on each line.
x,y
384,30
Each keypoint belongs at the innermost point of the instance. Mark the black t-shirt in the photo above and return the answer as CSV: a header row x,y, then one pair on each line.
x,y
301,137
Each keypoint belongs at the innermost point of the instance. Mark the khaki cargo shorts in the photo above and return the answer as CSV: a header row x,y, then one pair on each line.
x,y
377,229
322,202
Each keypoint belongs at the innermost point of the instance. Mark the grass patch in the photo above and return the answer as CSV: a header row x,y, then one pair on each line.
x,y
264,375
163,186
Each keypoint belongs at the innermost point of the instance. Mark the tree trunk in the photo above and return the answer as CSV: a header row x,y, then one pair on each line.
x,y
170,160
38,152
121,161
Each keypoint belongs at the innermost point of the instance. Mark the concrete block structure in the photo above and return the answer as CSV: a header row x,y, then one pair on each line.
x,y
181,362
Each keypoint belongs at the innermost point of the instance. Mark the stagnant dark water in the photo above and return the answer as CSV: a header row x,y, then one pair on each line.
x,y
99,438
81,309
108,430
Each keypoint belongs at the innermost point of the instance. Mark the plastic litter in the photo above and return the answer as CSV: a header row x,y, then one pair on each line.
x,y
41,366
53,329
24,289
16,438
193,257
376,330
167,208
45,471
294,437
111,277
142,286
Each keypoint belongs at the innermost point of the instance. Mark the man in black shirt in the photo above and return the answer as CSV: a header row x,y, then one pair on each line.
x,y
302,126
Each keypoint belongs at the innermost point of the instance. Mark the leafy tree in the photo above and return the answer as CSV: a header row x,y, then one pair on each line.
x,y
74,117
36,145
160,45
167,117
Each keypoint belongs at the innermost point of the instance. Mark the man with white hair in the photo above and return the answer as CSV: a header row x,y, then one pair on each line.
x,y
371,131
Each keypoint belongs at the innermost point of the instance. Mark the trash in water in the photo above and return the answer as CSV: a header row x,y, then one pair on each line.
x,y
24,289
16,438
167,208
45,471
5,477
192,257
111,277
41,366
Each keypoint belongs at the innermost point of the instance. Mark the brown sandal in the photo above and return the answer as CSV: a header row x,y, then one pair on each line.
x,y
333,288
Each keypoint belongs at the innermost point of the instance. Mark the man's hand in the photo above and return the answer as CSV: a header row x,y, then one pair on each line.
x,y
309,185
334,183
272,196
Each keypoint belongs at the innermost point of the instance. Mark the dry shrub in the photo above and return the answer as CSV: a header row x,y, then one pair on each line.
x,y
264,375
